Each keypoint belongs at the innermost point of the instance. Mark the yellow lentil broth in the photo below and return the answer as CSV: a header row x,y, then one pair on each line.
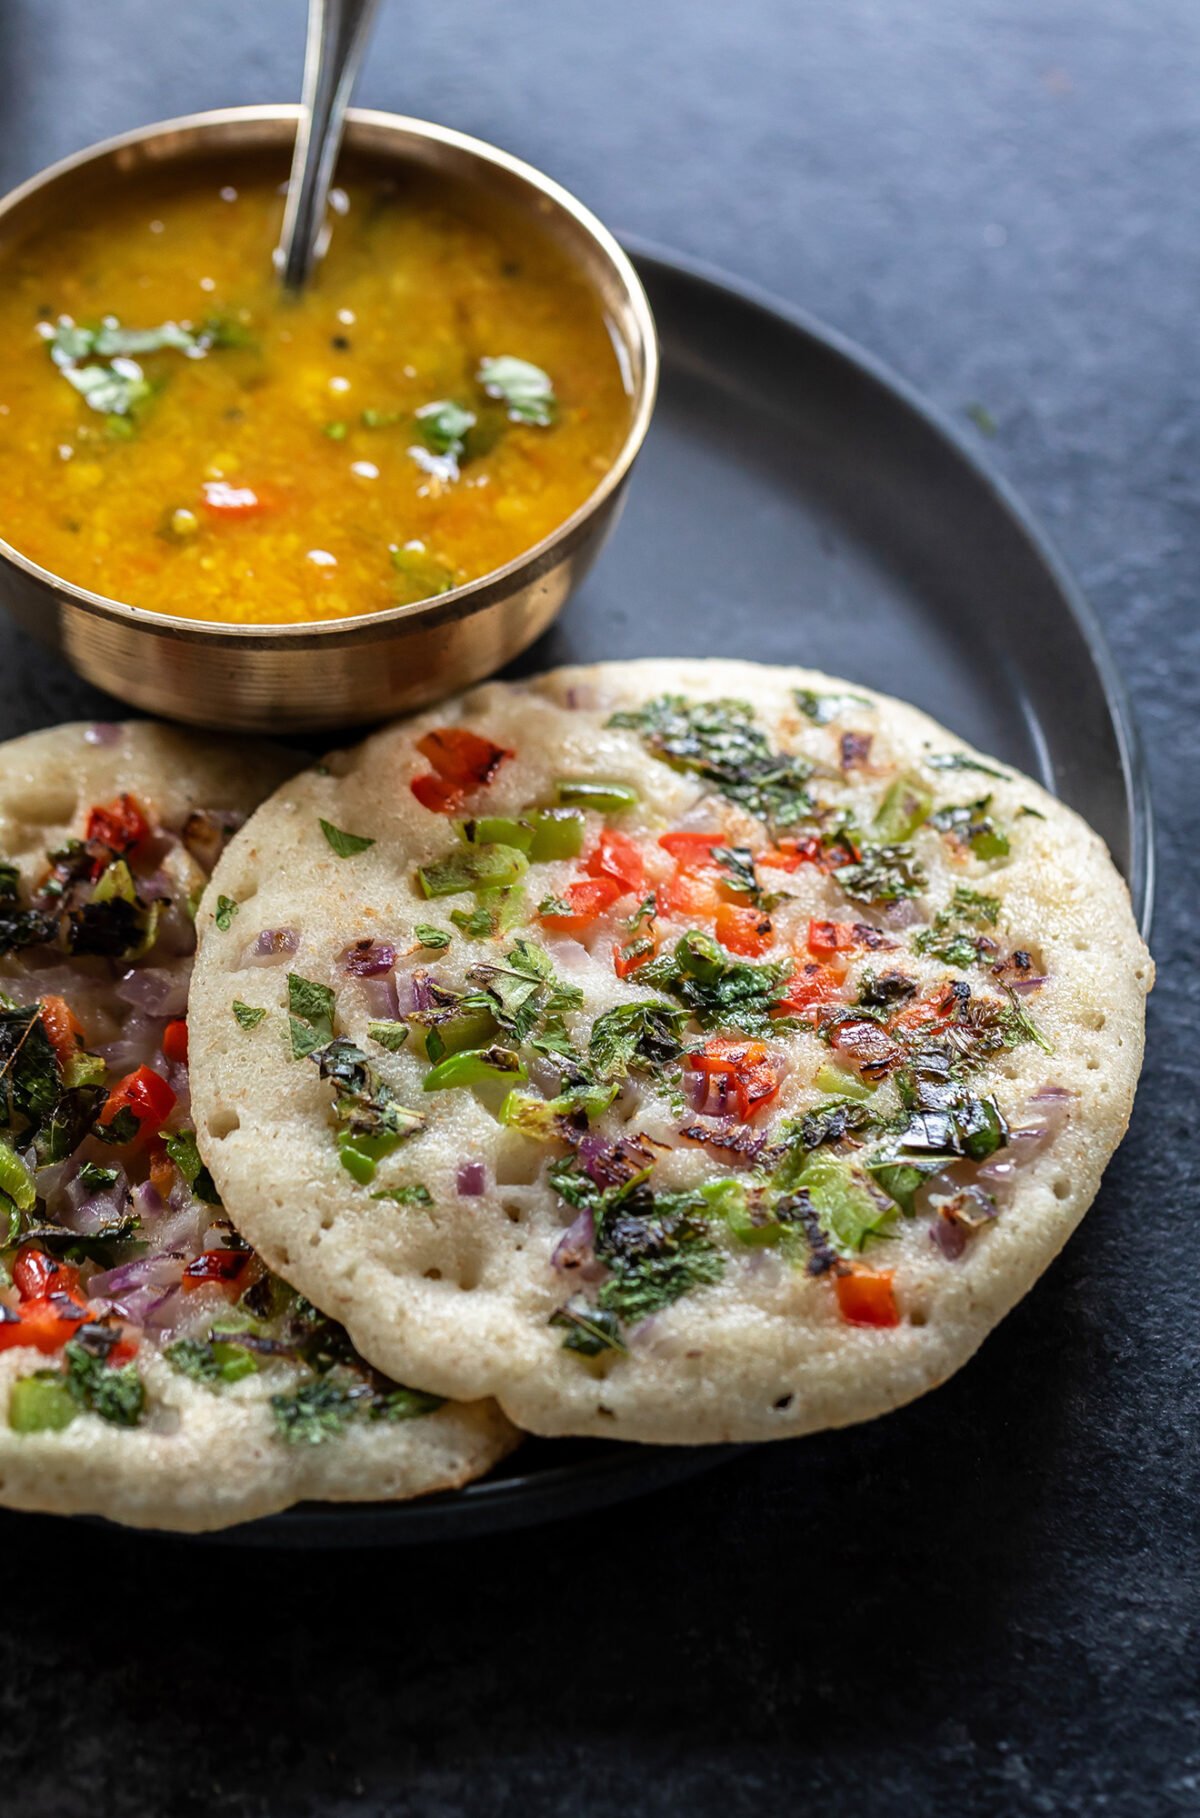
x,y
306,407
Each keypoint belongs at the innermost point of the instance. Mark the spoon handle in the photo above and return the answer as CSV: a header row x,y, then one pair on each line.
x,y
337,37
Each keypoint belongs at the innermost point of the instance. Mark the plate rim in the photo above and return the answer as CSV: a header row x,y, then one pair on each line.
x,y
628,1469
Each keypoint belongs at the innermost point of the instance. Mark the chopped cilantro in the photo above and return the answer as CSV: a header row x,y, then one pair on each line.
x,y
391,1036
225,911
718,741
310,1014
114,1392
526,390
972,825
642,1037
371,1118
183,1151
416,1194
443,427
346,845
883,874
823,708
958,760
248,1015
589,1330
717,990
433,938
95,1178
522,993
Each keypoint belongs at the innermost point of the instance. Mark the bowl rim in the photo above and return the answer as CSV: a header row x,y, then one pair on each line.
x,y
457,602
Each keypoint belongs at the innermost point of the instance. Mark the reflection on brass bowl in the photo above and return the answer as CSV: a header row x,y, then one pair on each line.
x,y
334,672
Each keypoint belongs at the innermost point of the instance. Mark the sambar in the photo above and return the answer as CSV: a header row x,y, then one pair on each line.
x,y
177,433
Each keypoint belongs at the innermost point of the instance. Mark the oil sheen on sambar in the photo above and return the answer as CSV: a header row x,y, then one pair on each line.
x,y
300,459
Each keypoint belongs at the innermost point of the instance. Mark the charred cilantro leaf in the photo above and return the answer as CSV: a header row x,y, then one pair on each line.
x,y
719,742
948,938
640,1038
824,708
20,927
115,923
717,990
971,825
112,1243
30,1079
404,1404
849,1203
119,1129
523,995
310,1014
317,1410
372,1120
883,874
589,1330
323,1407
658,1248
832,1122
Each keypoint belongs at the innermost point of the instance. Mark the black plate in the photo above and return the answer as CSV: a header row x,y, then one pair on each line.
x,y
796,503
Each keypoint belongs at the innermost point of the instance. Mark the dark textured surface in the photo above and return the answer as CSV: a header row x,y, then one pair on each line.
x,y
987,1603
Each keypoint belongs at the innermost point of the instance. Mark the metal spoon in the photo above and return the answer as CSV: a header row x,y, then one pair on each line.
x,y
337,37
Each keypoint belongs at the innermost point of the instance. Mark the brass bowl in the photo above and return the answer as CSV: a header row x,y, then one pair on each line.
x,y
291,678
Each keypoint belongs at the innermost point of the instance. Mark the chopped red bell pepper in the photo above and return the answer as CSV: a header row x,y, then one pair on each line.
x,y
436,794
147,1095
827,938
35,1273
744,931
747,1064
789,855
811,986
462,757
618,857
175,1041
64,1031
121,826
222,1268
865,1297
585,900
52,1308
691,848
691,893
636,952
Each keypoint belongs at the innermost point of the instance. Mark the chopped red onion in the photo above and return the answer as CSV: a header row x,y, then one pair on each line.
x,y
271,946
950,1238
574,1249
102,732
148,1201
1029,981
368,959
471,1179
158,1272
423,996
545,1074
97,1210
158,990
383,999
156,888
